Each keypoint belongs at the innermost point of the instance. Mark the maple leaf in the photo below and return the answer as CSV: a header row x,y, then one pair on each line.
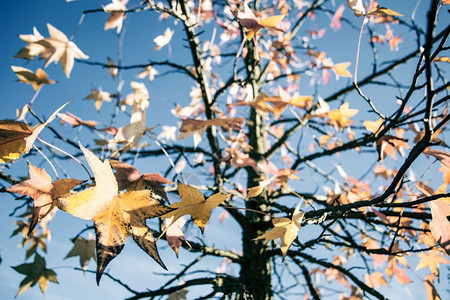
x,y
341,117
33,48
117,10
61,48
432,293
35,272
112,69
357,7
375,280
193,203
440,225
248,20
148,72
115,216
431,259
383,11
18,137
387,145
174,234
340,69
99,96
374,127
198,127
83,248
128,177
27,76
443,157
285,229
75,121
164,39
43,191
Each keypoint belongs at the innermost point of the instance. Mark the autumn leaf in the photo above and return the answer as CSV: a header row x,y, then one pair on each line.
x,y
174,234
35,272
442,59
43,191
340,69
75,121
61,48
248,20
375,280
98,96
17,138
383,11
357,7
374,126
164,39
443,157
83,248
341,117
193,203
115,216
117,10
285,229
198,127
128,177
27,76
440,225
431,259
148,72
33,48
387,145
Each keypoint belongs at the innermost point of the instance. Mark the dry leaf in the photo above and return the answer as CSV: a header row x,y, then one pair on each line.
x,y
43,191
193,203
117,10
387,145
27,76
61,48
115,216
83,248
285,229
174,234
164,39
128,177
443,157
248,20
17,138
341,117
198,127
357,7
75,121
440,225
383,11
35,272
99,96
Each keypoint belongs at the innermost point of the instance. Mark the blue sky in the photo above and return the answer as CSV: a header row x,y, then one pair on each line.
x,y
133,266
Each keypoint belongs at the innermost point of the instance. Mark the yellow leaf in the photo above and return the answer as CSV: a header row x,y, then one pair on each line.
x,y
27,76
374,127
12,139
193,203
442,59
272,21
341,69
383,11
285,229
115,216
341,117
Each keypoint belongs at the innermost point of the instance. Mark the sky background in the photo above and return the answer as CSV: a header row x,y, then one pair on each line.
x,y
133,266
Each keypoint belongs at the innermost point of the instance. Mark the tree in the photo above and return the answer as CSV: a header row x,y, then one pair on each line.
x,y
305,165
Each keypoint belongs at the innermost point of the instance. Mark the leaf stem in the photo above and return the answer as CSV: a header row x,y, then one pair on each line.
x,y
68,154
48,160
